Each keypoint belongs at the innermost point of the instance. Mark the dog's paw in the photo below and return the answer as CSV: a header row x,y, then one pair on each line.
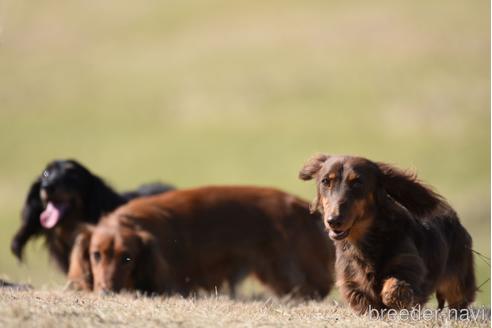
x,y
397,294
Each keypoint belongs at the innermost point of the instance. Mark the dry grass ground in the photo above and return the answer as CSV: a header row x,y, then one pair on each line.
x,y
66,309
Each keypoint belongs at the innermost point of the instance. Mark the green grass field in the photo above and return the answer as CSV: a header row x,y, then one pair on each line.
x,y
243,92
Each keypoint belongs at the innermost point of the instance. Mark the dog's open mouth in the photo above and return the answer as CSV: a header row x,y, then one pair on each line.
x,y
52,214
338,234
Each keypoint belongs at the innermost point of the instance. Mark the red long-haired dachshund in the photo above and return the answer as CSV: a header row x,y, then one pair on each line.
x,y
396,240
187,240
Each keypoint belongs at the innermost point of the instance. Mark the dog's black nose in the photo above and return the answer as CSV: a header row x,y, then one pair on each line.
x,y
334,221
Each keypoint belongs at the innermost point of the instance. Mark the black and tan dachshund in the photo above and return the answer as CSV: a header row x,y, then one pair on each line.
x,y
397,241
63,196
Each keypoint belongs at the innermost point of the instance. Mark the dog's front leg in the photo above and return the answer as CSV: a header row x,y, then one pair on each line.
x,y
397,294
358,300
401,285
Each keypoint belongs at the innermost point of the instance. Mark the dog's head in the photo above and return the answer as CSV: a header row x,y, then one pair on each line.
x,y
346,189
114,254
65,194
350,190
63,187
119,258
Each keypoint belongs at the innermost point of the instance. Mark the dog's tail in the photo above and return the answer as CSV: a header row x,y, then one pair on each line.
x,y
149,189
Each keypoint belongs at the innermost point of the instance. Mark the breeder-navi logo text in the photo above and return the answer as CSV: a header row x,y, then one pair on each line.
x,y
419,313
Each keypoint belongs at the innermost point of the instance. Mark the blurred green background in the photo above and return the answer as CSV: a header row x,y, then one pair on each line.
x,y
243,92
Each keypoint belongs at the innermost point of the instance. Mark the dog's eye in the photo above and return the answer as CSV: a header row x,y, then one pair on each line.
x,y
356,183
326,182
125,258
46,173
97,256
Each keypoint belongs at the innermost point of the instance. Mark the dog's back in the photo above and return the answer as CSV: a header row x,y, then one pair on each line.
x,y
148,189
213,234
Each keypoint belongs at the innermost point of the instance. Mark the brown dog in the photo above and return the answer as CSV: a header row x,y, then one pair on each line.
x,y
199,238
396,240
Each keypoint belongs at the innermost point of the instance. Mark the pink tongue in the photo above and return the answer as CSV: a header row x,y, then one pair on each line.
x,y
51,215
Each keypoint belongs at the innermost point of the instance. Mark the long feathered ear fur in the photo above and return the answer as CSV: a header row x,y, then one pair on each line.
x,y
308,172
101,199
80,270
153,273
312,166
30,225
97,196
406,189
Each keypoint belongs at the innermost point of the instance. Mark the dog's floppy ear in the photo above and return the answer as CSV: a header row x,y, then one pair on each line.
x,y
308,172
312,166
80,270
406,189
152,274
101,198
30,225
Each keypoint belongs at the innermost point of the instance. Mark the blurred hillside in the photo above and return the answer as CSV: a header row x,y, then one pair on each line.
x,y
243,92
